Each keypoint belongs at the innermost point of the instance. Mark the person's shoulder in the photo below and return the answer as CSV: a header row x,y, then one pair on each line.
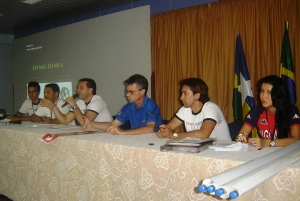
x,y
184,109
128,105
27,101
97,98
210,104
258,108
294,109
294,112
149,100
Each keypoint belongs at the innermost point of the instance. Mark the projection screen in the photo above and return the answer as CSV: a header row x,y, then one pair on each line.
x,y
107,49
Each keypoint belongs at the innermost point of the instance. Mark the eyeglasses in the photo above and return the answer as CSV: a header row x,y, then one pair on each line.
x,y
130,91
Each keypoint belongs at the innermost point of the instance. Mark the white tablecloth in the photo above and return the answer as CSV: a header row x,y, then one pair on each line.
x,y
102,166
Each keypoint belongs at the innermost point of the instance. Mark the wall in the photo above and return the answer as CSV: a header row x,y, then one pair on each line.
x,y
6,86
107,49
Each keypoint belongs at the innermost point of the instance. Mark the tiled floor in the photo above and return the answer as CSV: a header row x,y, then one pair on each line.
x,y
3,198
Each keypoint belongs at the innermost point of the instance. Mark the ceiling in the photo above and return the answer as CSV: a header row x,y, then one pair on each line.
x,y
15,15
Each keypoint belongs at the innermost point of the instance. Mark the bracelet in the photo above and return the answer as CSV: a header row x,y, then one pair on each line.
x,y
75,107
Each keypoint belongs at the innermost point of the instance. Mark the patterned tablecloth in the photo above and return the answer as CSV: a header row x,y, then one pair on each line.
x,y
102,166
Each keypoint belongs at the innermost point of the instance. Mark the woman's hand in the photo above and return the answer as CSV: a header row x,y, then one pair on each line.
x,y
256,142
242,137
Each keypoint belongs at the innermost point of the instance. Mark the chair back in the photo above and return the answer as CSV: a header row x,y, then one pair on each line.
x,y
234,128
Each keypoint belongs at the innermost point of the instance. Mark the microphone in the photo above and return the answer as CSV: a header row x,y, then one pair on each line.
x,y
66,103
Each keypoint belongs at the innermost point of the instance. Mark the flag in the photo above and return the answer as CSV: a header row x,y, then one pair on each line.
x,y
243,99
286,66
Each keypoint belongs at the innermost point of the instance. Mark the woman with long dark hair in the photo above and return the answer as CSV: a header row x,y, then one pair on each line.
x,y
277,121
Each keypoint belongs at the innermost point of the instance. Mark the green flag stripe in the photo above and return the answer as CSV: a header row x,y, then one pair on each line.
x,y
287,72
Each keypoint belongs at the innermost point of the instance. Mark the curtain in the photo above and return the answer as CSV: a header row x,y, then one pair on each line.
x,y
199,42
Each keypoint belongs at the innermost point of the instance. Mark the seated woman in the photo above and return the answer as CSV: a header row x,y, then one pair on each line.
x,y
200,117
277,121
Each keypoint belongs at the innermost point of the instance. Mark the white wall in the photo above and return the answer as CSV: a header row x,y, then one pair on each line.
x,y
107,49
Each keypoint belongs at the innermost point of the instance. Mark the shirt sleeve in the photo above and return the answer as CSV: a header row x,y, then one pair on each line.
x,y
63,110
294,116
123,115
152,114
96,106
180,114
212,112
252,118
24,109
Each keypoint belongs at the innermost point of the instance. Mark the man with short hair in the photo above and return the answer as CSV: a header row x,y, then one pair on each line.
x,y
88,104
44,114
142,112
30,105
201,117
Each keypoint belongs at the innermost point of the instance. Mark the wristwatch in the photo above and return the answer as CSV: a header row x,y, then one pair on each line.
x,y
175,135
272,143
75,107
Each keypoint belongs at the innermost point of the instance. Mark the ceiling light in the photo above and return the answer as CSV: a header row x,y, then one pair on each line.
x,y
31,1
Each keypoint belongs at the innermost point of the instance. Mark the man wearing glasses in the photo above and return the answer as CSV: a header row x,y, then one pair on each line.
x,y
142,112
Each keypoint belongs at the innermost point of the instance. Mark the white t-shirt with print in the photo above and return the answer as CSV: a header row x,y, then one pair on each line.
x,y
210,111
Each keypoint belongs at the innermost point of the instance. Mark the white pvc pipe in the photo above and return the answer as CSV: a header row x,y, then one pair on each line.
x,y
233,173
259,175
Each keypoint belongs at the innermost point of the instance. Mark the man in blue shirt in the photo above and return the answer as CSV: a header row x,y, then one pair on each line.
x,y
142,112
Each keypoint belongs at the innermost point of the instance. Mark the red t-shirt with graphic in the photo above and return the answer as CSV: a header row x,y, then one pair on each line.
x,y
266,122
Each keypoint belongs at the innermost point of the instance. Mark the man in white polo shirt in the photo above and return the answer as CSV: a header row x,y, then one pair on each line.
x,y
30,105
88,104
44,114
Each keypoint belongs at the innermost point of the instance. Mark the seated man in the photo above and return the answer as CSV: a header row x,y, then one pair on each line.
x,y
30,105
201,117
44,114
88,104
142,112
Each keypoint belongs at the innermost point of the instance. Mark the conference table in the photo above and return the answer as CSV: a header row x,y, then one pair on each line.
x,y
101,166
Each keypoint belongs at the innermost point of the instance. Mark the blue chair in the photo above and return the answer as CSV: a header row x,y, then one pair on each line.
x,y
164,121
234,128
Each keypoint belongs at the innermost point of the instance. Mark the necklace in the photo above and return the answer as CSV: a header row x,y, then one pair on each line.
x,y
37,105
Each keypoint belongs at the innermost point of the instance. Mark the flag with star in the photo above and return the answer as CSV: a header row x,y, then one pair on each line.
x,y
286,65
243,99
